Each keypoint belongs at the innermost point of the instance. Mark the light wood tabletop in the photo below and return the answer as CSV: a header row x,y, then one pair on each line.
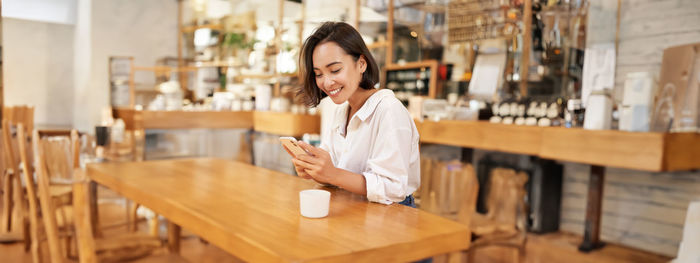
x,y
253,213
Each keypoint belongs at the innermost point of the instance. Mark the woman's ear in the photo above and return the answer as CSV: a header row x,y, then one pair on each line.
x,y
362,63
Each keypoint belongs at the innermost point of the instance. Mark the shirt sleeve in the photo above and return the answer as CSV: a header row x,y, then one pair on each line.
x,y
326,145
387,169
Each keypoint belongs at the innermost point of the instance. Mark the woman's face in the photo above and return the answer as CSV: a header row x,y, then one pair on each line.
x,y
337,73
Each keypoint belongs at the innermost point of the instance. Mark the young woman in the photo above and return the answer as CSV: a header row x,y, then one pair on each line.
x,y
372,145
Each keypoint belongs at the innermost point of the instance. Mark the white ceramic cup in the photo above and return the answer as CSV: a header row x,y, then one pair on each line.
x,y
314,203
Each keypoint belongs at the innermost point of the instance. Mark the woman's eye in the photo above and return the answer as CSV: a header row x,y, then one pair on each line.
x,y
318,75
336,71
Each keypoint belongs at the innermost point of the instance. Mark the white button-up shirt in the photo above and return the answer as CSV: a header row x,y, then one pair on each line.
x,y
381,144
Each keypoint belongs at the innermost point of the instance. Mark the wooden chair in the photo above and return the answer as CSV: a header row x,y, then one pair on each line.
x,y
464,193
55,154
14,225
57,157
444,187
130,246
423,193
504,224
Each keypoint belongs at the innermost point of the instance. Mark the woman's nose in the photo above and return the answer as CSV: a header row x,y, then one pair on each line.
x,y
328,81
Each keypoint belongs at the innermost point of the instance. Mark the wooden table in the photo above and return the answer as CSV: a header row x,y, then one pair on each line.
x,y
253,213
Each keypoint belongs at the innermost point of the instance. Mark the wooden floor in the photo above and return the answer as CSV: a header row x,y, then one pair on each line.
x,y
557,247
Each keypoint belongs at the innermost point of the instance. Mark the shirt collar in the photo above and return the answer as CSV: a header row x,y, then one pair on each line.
x,y
364,112
372,102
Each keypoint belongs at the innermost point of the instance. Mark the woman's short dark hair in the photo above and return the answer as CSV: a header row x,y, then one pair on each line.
x,y
350,41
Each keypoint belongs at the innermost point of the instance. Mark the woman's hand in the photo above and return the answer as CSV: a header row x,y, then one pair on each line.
x,y
316,165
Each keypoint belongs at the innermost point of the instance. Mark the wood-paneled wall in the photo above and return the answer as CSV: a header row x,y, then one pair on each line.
x,y
647,27
640,209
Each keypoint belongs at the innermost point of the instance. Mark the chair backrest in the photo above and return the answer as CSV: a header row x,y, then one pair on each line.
x,y
61,151
15,115
42,162
506,196
425,192
19,114
469,191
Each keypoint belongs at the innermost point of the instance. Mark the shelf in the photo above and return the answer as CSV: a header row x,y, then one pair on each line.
x,y
264,76
190,29
163,69
413,65
432,64
632,150
376,45
286,124
283,124
184,119
214,64
482,135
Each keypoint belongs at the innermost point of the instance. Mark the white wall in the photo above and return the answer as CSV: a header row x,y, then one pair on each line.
x,y
146,30
50,11
38,66
61,67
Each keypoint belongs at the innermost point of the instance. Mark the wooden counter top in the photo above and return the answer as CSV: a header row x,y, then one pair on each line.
x,y
286,124
184,119
279,123
647,151
633,150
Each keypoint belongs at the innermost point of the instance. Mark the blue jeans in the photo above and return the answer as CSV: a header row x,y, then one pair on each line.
x,y
410,201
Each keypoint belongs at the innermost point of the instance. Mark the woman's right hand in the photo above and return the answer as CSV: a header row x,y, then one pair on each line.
x,y
300,170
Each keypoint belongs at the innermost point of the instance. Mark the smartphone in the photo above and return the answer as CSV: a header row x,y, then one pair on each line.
x,y
290,143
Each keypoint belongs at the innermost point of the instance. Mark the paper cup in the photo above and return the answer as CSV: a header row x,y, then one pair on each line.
x,y
314,203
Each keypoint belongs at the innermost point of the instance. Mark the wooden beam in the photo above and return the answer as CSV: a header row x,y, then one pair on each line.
x,y
180,59
591,233
527,44
390,34
132,86
357,14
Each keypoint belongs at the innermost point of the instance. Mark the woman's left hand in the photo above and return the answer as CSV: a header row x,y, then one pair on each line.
x,y
317,163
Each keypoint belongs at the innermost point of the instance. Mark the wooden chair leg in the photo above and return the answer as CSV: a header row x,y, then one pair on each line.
x,y
522,252
34,236
470,255
127,205
133,214
19,216
36,256
174,232
153,225
94,210
68,246
26,231
456,257
6,203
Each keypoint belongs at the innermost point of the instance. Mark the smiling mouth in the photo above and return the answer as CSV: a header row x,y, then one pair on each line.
x,y
335,91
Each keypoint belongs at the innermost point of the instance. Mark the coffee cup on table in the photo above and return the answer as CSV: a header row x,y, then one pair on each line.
x,y
314,203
